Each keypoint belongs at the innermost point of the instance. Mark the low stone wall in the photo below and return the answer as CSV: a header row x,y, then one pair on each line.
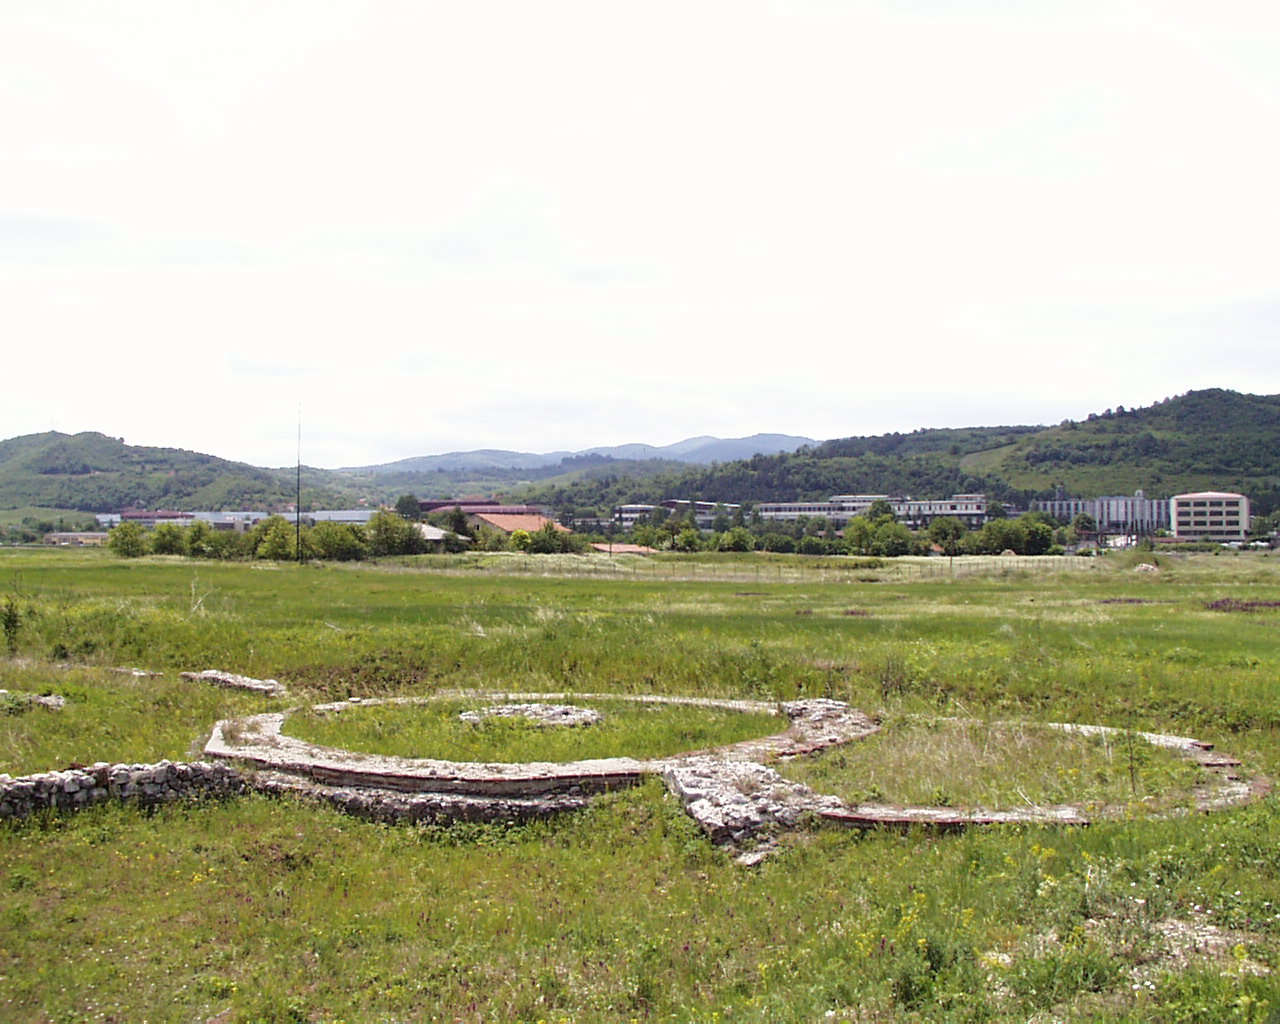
x,y
143,784
392,806
733,795
271,687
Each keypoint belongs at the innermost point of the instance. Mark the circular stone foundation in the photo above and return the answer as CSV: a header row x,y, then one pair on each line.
x,y
730,791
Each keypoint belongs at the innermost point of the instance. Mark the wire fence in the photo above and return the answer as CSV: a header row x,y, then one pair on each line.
x,y
797,569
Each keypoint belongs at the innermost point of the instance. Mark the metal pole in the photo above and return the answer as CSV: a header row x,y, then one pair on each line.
x,y
297,505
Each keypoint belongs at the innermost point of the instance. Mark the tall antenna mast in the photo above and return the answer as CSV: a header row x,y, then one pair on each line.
x,y
297,505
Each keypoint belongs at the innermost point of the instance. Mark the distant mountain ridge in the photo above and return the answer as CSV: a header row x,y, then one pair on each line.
x,y
699,450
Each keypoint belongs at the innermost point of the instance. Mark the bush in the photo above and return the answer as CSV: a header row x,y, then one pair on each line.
x,y
340,542
128,540
228,544
167,539
737,539
391,535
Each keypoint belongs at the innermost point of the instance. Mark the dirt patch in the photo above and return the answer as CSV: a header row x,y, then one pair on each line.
x,y
1232,604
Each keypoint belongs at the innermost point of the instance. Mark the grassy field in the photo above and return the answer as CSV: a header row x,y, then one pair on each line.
x,y
261,910
961,762
435,730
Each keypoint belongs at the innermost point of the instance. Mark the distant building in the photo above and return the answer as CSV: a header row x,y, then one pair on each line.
x,y
1135,515
339,515
471,508
436,504
970,509
150,520
626,516
705,513
508,523
437,538
1210,515
231,522
82,539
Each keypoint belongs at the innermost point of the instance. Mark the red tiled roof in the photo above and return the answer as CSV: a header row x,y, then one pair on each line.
x,y
481,509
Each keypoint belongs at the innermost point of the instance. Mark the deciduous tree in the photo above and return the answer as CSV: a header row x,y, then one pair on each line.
x,y
408,507
128,540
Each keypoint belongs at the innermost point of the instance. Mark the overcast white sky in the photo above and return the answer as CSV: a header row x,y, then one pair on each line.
x,y
441,226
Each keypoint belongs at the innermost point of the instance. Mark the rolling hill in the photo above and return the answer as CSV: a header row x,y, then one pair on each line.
x,y
91,472
1203,439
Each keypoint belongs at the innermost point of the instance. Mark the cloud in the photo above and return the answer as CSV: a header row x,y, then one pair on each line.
x,y
443,227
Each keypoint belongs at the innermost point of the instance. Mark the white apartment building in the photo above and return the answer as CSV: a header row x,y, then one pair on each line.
x,y
1210,515
971,509
705,512
1134,514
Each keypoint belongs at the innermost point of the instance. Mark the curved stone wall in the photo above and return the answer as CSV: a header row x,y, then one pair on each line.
x,y
731,791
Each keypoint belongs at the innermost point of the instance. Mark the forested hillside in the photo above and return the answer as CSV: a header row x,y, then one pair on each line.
x,y
799,477
1204,439
91,472
923,462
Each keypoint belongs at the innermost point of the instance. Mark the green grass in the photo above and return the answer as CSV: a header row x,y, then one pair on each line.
x,y
434,730
996,765
277,911
110,717
15,516
263,910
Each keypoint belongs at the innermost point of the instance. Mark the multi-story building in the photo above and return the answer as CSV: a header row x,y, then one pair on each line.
x,y
1135,515
971,509
1210,515
705,513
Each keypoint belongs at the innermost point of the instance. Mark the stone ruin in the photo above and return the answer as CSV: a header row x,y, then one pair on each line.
x,y
22,701
732,792
270,687
142,784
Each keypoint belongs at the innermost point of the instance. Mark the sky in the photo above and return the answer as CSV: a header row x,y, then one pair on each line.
x,y
422,227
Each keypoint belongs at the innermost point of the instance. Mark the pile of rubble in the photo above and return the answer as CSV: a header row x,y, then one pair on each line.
x,y
21,701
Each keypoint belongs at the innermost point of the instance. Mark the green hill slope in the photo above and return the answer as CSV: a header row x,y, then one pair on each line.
x,y
924,462
1204,439
91,472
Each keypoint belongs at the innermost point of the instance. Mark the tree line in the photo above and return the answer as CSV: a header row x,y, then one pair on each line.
x,y
387,533
876,532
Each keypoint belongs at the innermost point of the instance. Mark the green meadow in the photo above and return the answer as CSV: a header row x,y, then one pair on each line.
x,y
436,730
271,910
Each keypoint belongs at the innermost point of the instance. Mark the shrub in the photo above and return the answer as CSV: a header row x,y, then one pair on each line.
x,y
127,540
340,542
